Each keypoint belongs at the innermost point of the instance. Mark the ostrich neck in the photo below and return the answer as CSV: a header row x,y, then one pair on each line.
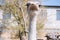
x,y
33,21
32,28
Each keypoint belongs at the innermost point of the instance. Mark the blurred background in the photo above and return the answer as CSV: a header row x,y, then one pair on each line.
x,y
14,19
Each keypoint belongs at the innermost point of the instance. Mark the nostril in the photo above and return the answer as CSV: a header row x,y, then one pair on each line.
x,y
32,4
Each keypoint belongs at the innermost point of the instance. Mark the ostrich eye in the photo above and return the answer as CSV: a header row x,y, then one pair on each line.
x,y
27,4
39,5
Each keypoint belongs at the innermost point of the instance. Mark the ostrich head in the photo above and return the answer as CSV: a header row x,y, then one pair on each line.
x,y
33,7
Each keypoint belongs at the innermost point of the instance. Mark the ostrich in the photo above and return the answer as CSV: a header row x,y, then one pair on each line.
x,y
33,11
